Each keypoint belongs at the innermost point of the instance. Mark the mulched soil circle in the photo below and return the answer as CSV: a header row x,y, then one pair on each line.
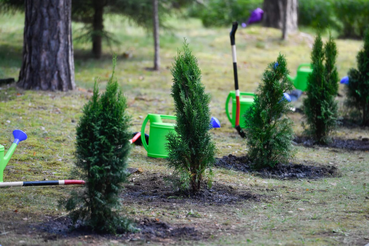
x,y
279,171
156,189
339,143
150,230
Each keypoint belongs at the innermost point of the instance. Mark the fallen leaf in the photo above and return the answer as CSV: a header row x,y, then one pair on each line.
x,y
34,153
157,220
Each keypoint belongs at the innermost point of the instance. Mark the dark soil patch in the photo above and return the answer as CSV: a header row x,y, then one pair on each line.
x,y
347,144
150,230
279,171
349,123
155,189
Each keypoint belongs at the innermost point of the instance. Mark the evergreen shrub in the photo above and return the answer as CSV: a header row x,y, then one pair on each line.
x,y
190,149
358,87
320,107
102,148
269,133
331,74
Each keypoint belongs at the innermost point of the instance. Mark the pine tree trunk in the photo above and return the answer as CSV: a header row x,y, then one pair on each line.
x,y
48,62
98,27
274,12
156,35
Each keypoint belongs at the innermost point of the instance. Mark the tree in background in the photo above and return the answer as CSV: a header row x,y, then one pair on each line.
x,y
358,87
156,35
142,13
47,62
276,12
269,132
190,150
320,107
101,160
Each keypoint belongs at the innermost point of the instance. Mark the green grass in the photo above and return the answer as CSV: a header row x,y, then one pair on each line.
x,y
331,211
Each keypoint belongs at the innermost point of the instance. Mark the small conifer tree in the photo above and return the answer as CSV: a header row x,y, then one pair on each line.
x,y
358,87
102,148
269,132
331,74
190,150
320,107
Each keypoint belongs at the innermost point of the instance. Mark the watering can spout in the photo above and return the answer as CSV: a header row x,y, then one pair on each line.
x,y
18,137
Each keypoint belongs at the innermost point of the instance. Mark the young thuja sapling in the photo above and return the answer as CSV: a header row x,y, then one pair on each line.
x,y
102,148
269,132
320,107
357,83
190,149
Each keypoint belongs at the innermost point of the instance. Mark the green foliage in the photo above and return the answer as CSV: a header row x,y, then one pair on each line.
x,y
320,107
269,132
317,14
223,13
353,15
348,17
331,74
190,150
358,87
11,5
102,148
139,12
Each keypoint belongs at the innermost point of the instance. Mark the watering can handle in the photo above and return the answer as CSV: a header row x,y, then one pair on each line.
x,y
304,65
232,94
168,117
143,139
226,105
247,94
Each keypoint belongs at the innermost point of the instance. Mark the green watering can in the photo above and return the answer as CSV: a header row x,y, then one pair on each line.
x,y
245,104
301,79
158,132
18,137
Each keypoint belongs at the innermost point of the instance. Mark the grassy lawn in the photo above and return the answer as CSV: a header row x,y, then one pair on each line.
x,y
328,211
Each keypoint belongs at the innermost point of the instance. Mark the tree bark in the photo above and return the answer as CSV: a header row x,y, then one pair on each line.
x,y
48,62
284,29
275,11
156,35
98,27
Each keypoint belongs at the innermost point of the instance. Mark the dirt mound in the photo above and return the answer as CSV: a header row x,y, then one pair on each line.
x,y
149,230
155,189
279,171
